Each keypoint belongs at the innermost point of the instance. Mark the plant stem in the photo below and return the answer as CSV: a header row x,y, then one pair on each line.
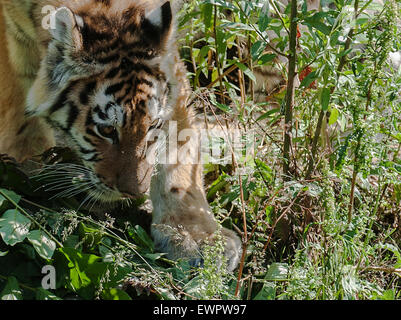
x,y
289,100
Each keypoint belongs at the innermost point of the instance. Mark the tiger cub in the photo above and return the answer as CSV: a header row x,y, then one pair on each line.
x,y
99,76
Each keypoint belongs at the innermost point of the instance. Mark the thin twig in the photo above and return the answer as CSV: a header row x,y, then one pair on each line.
x,y
278,219
383,269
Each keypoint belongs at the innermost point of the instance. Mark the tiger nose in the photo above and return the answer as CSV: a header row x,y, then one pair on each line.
x,y
128,187
132,189
116,184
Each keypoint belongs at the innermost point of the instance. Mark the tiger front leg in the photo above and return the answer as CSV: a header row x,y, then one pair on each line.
x,y
182,219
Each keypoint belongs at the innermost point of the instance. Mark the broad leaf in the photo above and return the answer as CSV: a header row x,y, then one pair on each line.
x,y
87,272
333,116
264,17
115,294
257,48
43,245
268,292
14,227
308,79
4,194
325,98
277,271
141,237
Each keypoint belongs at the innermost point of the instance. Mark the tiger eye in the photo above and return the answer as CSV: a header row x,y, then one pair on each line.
x,y
108,132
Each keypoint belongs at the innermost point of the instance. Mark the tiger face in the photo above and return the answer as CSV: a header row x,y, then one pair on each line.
x,y
102,87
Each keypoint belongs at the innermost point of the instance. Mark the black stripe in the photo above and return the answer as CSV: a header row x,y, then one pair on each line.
x,y
90,35
143,55
22,128
86,151
120,100
104,2
114,88
28,113
109,106
147,82
113,73
90,141
62,99
91,133
141,106
86,92
89,119
100,113
109,59
138,67
124,119
95,158
72,116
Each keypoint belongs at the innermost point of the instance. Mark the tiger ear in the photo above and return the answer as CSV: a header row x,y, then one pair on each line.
x,y
66,27
157,22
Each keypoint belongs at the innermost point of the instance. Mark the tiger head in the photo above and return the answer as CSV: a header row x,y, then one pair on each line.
x,y
103,85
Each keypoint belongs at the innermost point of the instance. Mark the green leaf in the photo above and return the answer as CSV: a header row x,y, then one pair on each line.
x,y
268,114
207,12
42,294
165,294
248,72
217,185
277,271
83,275
266,58
2,200
316,22
43,245
86,272
325,98
268,292
154,256
321,27
141,237
4,194
114,294
394,250
264,19
223,107
14,227
89,236
257,48
12,290
388,295
308,79
3,254
333,116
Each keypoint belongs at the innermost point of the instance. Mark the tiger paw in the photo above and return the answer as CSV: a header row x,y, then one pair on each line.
x,y
232,249
179,243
